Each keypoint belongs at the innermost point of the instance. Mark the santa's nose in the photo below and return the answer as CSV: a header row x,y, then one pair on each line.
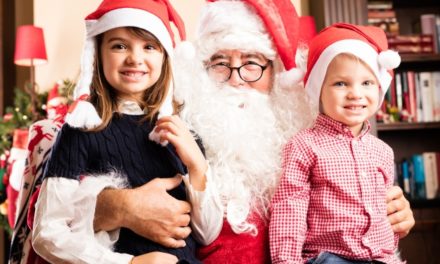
x,y
235,79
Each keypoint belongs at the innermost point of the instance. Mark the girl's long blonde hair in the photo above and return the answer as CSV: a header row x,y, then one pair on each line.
x,y
104,97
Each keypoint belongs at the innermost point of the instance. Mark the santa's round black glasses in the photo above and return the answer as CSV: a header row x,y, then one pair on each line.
x,y
249,72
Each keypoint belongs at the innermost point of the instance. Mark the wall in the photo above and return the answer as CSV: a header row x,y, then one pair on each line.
x,y
23,16
63,24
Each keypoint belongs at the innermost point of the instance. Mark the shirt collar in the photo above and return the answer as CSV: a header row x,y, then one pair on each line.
x,y
129,108
328,124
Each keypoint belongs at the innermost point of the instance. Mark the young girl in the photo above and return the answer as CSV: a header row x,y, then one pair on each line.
x,y
330,204
107,132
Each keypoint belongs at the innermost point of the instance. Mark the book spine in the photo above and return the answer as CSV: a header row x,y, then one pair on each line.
x,y
436,95
426,89
399,96
437,155
429,26
430,168
412,95
405,177
419,176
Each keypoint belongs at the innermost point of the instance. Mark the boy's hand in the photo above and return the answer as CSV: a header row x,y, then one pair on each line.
x,y
399,212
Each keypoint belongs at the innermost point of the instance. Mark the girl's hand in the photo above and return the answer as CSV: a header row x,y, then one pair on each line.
x,y
399,212
155,258
173,129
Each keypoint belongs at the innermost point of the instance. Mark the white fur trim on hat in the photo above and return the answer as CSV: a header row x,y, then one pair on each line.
x,y
360,49
131,17
229,25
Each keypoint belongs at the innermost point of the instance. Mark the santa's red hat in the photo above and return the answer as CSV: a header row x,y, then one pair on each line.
x,y
153,16
368,43
269,27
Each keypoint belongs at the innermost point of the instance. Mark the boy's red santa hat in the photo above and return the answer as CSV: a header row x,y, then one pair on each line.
x,y
269,27
368,43
153,16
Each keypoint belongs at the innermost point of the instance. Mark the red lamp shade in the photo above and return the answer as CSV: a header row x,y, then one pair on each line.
x,y
307,28
29,46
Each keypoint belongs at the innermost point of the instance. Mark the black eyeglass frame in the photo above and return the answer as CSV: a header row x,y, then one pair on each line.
x,y
231,69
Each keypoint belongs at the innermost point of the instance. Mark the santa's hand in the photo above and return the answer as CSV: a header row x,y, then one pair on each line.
x,y
148,210
174,130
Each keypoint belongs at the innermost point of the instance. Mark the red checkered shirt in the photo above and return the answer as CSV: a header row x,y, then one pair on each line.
x,y
332,196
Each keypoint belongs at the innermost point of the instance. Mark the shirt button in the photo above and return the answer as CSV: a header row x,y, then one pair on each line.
x,y
363,174
366,240
369,210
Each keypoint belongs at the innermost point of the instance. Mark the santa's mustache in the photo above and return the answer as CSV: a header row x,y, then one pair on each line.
x,y
240,96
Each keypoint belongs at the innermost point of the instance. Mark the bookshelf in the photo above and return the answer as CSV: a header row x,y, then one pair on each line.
x,y
422,245
424,203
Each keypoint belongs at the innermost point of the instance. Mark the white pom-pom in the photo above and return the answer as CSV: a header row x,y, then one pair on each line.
x,y
84,115
155,136
185,50
290,78
389,59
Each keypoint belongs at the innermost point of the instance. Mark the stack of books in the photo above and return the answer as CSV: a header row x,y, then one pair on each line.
x,y
382,14
427,40
412,97
419,175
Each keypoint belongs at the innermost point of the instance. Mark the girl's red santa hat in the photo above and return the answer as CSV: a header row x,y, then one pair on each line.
x,y
368,43
269,27
153,16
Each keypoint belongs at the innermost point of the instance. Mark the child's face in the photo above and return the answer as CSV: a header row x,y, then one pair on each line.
x,y
350,92
131,65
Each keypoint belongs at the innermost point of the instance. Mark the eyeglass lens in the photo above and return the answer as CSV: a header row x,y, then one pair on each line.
x,y
247,72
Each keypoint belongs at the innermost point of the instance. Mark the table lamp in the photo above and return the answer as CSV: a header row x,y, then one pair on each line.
x,y
30,51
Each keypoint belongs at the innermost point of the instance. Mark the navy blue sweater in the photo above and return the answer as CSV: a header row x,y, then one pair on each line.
x,y
123,146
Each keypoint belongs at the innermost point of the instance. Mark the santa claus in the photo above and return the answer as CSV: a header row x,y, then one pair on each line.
x,y
243,103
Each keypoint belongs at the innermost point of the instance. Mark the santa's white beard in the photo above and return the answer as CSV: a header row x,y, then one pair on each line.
x,y
243,142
